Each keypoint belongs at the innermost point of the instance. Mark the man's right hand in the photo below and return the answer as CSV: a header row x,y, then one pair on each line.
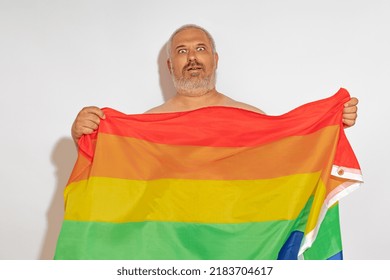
x,y
86,122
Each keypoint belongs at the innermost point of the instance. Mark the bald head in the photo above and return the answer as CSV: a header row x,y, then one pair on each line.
x,y
186,27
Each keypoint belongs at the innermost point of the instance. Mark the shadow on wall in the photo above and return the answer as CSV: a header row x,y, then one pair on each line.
x,y
63,157
166,84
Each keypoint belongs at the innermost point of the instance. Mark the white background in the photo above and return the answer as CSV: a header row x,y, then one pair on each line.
x,y
59,56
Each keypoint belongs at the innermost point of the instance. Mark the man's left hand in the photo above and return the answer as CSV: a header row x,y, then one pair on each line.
x,y
350,112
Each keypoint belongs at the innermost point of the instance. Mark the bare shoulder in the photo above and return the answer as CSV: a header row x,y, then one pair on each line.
x,y
237,104
248,107
154,110
163,108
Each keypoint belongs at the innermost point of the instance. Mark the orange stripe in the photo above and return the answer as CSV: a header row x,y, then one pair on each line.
x,y
129,158
80,170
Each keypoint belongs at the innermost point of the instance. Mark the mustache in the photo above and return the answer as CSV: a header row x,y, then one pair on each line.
x,y
193,64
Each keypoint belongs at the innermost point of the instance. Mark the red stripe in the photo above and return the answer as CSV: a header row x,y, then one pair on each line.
x,y
224,126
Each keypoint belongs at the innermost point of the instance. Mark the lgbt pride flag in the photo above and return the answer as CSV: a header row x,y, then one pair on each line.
x,y
212,183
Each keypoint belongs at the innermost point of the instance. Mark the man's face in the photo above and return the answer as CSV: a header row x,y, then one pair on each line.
x,y
193,63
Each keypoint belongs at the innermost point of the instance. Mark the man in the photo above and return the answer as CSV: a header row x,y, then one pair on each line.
x,y
192,62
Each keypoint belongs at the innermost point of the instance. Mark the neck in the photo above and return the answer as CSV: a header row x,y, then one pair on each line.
x,y
191,101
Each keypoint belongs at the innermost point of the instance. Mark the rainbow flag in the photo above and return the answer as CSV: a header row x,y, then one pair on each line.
x,y
212,183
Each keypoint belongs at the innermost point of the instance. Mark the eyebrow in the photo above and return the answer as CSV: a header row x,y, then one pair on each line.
x,y
178,47
202,45
183,46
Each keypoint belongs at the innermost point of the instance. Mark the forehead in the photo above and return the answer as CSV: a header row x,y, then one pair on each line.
x,y
190,36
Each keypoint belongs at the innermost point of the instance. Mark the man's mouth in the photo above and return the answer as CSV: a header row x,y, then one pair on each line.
x,y
194,68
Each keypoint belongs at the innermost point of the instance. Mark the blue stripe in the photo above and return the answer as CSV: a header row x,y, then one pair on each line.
x,y
290,249
338,256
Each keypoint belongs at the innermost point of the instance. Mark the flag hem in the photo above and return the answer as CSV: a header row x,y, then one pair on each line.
x,y
334,196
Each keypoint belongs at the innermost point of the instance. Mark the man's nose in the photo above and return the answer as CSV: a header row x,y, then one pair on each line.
x,y
191,55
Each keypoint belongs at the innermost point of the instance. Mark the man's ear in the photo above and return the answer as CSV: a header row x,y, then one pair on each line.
x,y
169,65
216,58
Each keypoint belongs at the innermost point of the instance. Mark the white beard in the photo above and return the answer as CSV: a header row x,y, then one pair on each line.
x,y
194,86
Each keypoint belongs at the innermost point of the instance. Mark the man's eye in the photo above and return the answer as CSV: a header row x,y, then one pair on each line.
x,y
199,49
182,51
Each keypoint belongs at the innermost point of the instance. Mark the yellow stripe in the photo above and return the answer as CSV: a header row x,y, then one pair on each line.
x,y
181,200
318,201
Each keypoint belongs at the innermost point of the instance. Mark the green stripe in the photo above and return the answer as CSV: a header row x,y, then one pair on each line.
x,y
328,241
171,240
182,240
